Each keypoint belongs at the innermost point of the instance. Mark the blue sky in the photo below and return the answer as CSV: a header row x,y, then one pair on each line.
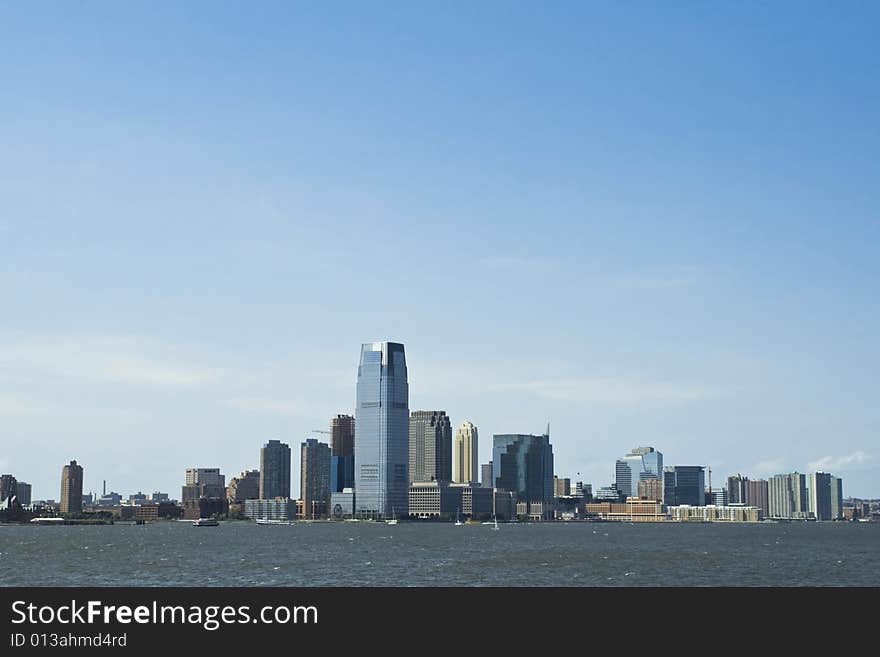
x,y
647,223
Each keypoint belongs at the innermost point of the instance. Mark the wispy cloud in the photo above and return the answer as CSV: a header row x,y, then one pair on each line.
x,y
769,467
114,359
832,463
619,391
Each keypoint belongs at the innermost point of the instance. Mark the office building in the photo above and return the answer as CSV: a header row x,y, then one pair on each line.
x,y
758,495
608,494
651,488
486,475
381,451
736,489
836,498
342,504
430,446
23,491
684,484
523,465
561,487
280,508
441,500
71,488
341,453
8,487
788,496
630,510
819,495
630,469
137,498
274,470
712,513
465,450
315,478
246,486
158,497
342,435
203,482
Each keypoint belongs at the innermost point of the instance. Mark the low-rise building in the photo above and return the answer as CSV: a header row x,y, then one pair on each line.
x,y
279,508
712,513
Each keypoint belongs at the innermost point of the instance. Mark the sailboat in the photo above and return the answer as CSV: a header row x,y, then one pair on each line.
x,y
458,521
494,524
393,519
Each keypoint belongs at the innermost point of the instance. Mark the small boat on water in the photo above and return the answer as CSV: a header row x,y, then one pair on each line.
x,y
393,519
205,522
266,521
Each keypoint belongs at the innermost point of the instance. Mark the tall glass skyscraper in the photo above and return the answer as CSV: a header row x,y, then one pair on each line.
x,y
381,451
640,463
523,464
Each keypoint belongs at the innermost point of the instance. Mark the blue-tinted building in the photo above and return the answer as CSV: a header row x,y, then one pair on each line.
x,y
381,451
684,484
523,464
341,473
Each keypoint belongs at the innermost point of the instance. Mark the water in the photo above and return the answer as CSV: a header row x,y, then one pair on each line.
x,y
422,554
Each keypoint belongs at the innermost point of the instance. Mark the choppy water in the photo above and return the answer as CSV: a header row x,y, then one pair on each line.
x,y
419,554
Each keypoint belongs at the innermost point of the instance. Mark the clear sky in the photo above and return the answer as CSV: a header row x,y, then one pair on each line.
x,y
648,223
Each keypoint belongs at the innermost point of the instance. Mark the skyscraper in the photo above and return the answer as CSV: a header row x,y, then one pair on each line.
x,y
341,453
430,446
523,465
465,454
23,491
274,470
820,493
245,486
8,487
836,497
486,479
71,488
315,477
736,489
381,452
684,484
342,435
758,495
788,496
629,470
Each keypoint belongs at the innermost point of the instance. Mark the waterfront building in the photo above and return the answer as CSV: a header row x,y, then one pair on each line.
x,y
441,500
788,496
609,494
23,492
684,484
71,488
758,495
713,513
430,446
836,498
203,482
315,478
246,486
381,451
819,493
137,498
274,470
158,497
629,469
342,504
8,487
523,464
280,508
630,510
736,489
561,487
466,454
717,497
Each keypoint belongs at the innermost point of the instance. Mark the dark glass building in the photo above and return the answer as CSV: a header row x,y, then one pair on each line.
x,y
523,464
684,484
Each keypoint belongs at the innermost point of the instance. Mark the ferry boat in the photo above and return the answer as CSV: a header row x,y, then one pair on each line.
x,y
205,522
266,521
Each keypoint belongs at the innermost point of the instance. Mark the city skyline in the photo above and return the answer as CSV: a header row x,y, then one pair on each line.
x,y
654,227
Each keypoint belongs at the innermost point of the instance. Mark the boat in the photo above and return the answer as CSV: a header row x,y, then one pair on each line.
x,y
266,521
205,522
393,519
495,524
458,521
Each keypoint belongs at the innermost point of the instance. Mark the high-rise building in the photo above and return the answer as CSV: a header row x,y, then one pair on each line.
x,y
430,446
836,498
465,454
315,478
341,453
23,491
651,488
736,489
8,487
684,484
381,452
629,470
788,496
71,488
274,470
246,486
820,495
561,486
523,464
342,435
486,475
758,495
203,483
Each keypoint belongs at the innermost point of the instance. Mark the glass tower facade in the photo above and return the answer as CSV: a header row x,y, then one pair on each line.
x,y
381,451
523,464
